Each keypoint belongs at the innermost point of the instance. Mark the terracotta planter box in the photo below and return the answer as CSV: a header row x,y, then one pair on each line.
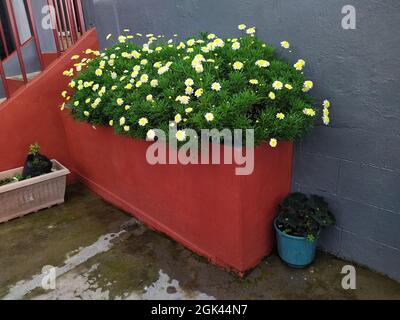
x,y
20,198
224,217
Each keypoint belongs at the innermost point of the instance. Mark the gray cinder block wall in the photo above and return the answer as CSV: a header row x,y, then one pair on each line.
x,y
354,163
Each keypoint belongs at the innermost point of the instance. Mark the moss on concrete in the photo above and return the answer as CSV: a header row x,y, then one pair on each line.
x,y
46,237
138,255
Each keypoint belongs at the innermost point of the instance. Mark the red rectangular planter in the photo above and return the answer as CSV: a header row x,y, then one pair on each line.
x,y
224,217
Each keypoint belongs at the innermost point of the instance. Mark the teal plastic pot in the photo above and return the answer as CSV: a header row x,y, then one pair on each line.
x,y
297,252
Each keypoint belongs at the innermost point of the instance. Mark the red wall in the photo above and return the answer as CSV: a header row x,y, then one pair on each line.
x,y
32,113
219,215
224,217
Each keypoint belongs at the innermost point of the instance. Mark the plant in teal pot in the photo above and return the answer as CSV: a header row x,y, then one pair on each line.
x,y
298,226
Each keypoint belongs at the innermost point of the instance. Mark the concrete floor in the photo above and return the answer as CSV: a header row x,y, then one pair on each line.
x,y
102,253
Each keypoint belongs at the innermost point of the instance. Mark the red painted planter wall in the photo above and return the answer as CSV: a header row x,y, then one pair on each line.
x,y
224,217
32,113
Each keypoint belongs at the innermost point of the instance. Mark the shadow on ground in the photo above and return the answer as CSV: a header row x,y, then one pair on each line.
x,y
100,252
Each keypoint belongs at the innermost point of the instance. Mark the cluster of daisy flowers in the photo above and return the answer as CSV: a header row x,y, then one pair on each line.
x,y
202,82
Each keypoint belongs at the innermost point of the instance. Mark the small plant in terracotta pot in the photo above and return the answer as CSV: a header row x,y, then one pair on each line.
x,y
298,226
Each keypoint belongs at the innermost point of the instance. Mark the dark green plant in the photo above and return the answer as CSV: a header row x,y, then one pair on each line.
x,y
303,216
18,177
5,181
13,179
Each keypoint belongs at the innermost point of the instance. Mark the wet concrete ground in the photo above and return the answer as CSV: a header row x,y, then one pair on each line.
x,y
100,252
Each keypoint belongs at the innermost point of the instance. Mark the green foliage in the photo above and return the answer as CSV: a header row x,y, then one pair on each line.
x,y
107,77
34,149
13,179
3,182
303,216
